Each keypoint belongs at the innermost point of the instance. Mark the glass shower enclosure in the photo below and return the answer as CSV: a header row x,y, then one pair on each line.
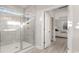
x,y
16,30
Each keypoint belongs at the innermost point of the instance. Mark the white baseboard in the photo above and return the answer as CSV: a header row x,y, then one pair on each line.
x,y
69,51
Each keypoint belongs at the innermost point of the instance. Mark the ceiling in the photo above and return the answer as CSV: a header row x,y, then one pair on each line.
x,y
38,7
34,6
23,6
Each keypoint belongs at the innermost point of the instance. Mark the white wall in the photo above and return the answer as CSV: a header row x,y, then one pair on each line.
x,y
59,16
39,29
74,29
63,12
70,28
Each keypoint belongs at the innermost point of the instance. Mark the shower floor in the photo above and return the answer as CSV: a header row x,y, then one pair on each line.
x,y
11,48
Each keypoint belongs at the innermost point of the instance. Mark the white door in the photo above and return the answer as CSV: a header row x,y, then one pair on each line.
x,y
48,31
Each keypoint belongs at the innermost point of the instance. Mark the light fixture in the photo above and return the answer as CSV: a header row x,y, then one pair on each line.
x,y
13,23
69,24
9,30
10,11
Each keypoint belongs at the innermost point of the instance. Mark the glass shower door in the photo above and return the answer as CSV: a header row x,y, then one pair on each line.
x,y
27,33
16,30
9,32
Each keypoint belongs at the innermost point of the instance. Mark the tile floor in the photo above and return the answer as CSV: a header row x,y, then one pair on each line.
x,y
59,46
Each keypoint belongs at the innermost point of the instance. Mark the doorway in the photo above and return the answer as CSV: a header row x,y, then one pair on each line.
x,y
56,29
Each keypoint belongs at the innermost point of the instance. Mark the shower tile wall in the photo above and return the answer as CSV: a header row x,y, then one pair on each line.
x,y
9,37
28,32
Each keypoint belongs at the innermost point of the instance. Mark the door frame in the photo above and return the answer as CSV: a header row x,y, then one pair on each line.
x,y
54,24
52,31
